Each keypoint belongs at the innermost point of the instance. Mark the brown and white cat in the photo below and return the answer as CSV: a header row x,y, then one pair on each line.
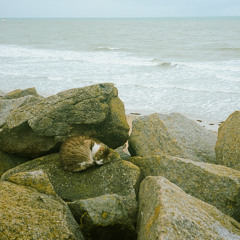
x,y
81,152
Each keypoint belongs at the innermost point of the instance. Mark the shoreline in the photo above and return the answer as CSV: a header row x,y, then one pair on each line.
x,y
209,125
133,114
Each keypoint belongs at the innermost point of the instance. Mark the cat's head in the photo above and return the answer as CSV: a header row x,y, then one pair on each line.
x,y
103,155
102,152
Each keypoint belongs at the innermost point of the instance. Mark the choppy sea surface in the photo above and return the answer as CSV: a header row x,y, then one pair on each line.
x,y
186,65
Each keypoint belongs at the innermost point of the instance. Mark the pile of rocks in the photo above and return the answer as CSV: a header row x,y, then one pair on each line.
x,y
171,187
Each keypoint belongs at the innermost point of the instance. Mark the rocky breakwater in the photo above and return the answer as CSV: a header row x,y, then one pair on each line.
x,y
174,148
42,200
32,126
185,192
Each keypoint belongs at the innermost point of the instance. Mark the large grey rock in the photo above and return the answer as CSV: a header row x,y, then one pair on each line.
x,y
228,142
173,135
118,176
8,161
27,213
214,184
166,212
107,217
38,128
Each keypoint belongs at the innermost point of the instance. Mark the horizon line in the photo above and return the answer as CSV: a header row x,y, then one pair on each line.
x,y
230,16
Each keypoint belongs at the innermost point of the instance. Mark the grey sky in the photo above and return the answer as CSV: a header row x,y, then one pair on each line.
x,y
118,8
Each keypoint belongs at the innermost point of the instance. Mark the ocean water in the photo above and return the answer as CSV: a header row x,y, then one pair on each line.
x,y
186,65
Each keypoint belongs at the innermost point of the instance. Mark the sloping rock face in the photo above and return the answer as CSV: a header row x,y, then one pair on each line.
x,y
2,94
167,212
228,142
8,105
9,161
27,213
173,135
118,176
214,184
107,217
21,93
38,128
35,179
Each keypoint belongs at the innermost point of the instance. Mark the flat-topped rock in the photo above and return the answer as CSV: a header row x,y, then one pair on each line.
x,y
117,177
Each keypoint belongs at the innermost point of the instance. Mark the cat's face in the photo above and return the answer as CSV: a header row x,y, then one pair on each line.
x,y
102,153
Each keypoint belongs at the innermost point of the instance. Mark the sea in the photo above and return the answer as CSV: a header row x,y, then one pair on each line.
x,y
164,65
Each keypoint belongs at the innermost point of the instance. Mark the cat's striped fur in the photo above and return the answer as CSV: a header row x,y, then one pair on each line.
x,y
81,152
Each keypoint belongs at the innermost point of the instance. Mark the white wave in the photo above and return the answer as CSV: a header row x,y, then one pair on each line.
x,y
108,48
46,55
230,65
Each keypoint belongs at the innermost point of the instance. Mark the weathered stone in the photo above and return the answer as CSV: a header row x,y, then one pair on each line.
x,y
35,179
107,217
36,129
167,212
173,135
214,184
118,177
8,105
21,93
124,154
9,161
29,214
2,94
228,142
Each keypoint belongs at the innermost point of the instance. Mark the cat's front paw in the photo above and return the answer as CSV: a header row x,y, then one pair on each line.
x,y
99,162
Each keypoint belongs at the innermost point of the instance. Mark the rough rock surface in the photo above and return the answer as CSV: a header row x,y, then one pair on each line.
x,y
35,179
167,212
120,177
27,213
214,184
38,128
2,94
173,135
228,142
21,93
8,105
9,161
107,217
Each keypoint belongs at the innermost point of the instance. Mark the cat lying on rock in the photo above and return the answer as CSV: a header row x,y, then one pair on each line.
x,y
81,152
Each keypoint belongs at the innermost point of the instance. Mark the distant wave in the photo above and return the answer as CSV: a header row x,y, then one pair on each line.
x,y
167,65
103,49
232,66
161,64
237,49
169,87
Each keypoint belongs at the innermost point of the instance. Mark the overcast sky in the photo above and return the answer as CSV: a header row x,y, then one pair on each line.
x,y
118,8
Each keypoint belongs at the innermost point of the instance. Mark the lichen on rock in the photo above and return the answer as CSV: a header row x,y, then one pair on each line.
x,y
37,128
228,142
173,135
167,212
